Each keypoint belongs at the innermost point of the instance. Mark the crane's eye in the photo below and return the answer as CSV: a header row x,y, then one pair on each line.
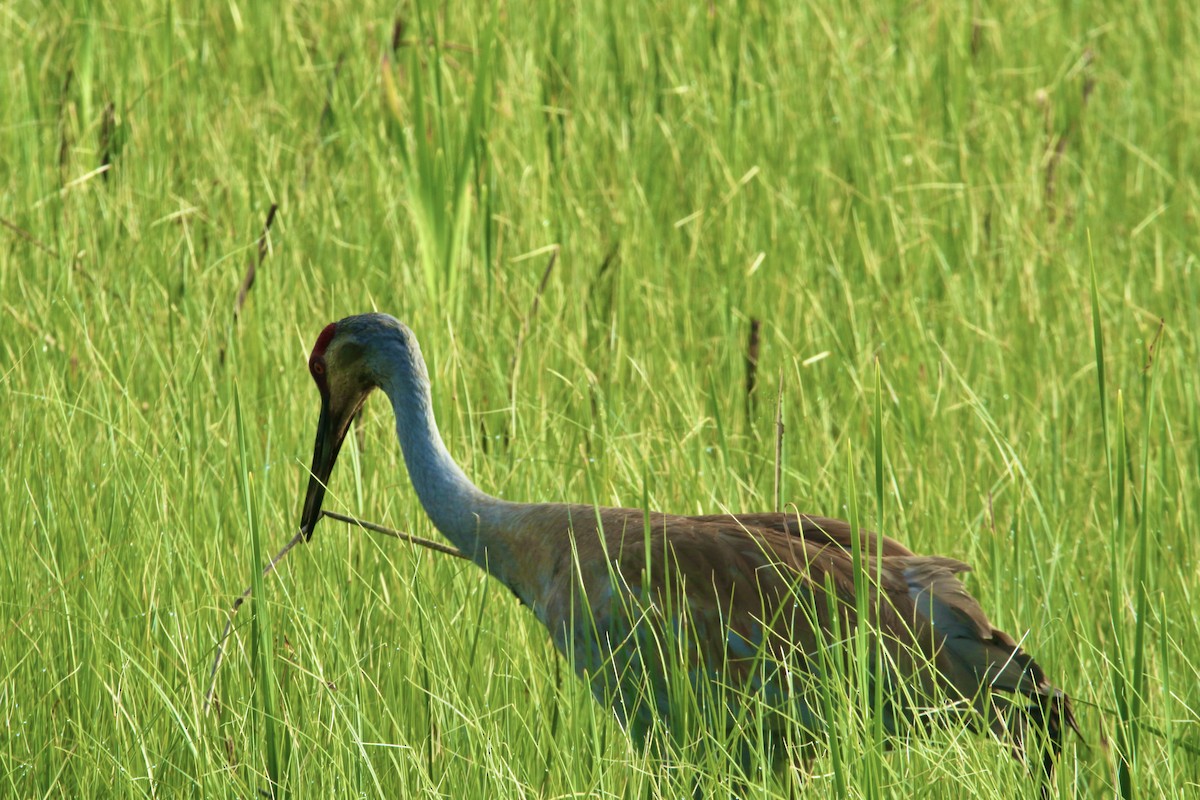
x,y
318,367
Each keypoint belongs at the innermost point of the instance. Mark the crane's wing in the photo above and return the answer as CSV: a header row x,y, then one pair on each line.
x,y
787,590
922,593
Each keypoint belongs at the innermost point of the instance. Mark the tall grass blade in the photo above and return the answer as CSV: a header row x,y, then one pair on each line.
x,y
1122,683
1098,341
1125,743
864,680
262,638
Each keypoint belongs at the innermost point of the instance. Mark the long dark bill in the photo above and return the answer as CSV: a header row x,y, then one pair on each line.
x,y
331,432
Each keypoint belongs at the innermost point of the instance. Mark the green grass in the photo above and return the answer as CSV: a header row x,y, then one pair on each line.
x,y
974,197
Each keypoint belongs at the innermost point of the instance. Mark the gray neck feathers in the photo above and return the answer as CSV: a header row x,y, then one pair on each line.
x,y
455,505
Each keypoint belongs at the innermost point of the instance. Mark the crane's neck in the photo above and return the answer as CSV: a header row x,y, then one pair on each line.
x,y
464,514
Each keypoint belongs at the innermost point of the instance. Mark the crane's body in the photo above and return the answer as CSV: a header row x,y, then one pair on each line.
x,y
750,603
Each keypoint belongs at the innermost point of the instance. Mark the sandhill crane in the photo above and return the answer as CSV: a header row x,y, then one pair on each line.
x,y
756,599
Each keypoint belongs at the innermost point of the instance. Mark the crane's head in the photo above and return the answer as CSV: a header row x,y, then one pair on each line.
x,y
345,364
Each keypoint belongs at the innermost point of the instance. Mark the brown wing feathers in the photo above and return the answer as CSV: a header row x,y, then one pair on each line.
x,y
925,601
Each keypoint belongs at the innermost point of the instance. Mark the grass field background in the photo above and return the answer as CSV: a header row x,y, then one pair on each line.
x,y
927,187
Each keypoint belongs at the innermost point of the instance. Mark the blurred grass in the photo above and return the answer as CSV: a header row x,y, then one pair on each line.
x,y
913,184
